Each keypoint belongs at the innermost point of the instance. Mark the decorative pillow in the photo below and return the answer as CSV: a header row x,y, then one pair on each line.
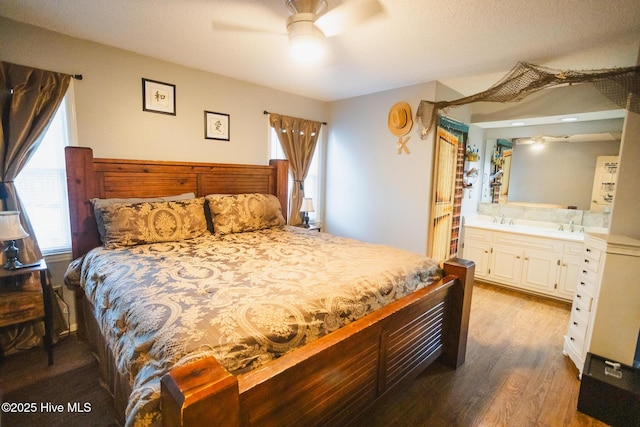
x,y
129,224
244,212
99,204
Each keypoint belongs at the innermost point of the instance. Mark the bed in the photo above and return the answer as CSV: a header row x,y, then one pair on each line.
x,y
357,349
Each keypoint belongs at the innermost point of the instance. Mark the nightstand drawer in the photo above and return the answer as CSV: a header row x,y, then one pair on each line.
x,y
16,307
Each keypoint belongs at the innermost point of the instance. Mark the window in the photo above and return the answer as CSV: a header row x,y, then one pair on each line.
x,y
42,185
313,182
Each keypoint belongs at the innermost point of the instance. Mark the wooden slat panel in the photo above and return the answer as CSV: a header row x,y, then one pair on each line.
x,y
123,184
409,347
237,184
317,392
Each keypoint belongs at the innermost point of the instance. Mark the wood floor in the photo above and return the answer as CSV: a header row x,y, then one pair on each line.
x,y
514,375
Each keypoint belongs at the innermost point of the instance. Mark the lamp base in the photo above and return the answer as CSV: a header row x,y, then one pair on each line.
x,y
13,265
11,256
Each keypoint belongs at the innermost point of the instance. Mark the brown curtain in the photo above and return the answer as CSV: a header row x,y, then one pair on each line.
x,y
298,138
28,100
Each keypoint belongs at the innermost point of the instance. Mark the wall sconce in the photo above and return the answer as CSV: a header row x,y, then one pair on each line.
x,y
10,231
307,206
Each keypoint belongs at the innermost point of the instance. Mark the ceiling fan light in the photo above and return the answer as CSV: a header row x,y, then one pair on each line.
x,y
306,47
305,39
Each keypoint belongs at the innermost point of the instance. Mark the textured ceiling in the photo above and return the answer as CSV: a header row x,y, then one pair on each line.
x,y
415,41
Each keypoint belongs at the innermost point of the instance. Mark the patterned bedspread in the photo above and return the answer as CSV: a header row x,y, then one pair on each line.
x,y
244,298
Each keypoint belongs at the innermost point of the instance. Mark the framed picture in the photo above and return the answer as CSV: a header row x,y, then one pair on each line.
x,y
158,97
216,126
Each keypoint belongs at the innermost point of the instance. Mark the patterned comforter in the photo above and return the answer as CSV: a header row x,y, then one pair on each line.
x,y
243,298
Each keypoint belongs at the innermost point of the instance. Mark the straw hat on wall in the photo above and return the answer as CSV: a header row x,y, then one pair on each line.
x,y
400,121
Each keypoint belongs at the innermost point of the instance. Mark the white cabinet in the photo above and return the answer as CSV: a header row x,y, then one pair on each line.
x,y
605,314
477,247
506,264
570,269
535,264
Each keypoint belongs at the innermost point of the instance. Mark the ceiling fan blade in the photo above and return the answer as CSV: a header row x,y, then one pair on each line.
x,y
348,15
232,26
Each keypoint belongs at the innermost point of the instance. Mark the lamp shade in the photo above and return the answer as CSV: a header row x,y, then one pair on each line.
x,y
307,205
10,227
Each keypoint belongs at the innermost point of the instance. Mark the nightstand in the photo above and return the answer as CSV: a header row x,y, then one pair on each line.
x,y
18,305
317,226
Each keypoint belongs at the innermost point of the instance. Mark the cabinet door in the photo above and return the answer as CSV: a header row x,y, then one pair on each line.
x,y
569,276
506,264
540,271
478,252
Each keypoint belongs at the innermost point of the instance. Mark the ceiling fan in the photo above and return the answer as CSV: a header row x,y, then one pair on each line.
x,y
311,21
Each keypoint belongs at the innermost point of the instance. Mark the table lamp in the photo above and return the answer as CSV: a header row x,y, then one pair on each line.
x,y
307,206
10,231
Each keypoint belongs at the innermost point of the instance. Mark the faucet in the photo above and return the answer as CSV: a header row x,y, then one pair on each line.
x,y
561,228
502,219
571,229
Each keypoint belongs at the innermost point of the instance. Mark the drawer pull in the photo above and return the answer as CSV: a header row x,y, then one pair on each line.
x,y
584,271
571,338
579,296
588,250
582,284
575,323
577,308
586,261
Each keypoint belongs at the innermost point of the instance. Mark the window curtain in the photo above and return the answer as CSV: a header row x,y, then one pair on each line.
x,y
298,138
28,100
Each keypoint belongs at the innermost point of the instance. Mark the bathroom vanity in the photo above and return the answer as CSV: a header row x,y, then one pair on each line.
x,y
529,256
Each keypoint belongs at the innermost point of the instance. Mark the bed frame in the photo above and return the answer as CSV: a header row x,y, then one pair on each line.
x,y
330,381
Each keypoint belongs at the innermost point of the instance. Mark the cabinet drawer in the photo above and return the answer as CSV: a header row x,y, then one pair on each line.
x,y
591,264
581,309
577,327
576,341
593,253
583,301
573,248
478,234
16,307
528,242
588,275
585,285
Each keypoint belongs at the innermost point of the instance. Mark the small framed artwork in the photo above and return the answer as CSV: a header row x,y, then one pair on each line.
x,y
158,97
216,126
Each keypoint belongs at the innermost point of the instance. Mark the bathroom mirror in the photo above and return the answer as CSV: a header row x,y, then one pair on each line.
x,y
552,162
552,171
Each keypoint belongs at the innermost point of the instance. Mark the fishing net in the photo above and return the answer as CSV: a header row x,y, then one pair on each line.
x,y
620,85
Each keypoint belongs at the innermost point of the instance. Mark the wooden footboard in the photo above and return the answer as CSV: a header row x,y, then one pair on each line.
x,y
332,380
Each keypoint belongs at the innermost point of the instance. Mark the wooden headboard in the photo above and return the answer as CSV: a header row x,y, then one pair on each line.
x,y
88,178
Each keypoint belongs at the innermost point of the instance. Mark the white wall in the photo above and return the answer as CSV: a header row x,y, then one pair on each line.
x,y
109,100
373,193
